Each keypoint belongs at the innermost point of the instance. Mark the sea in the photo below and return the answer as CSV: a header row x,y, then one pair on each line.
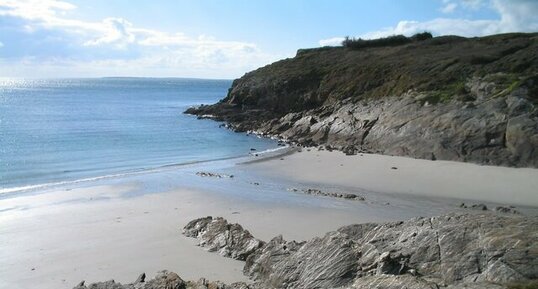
x,y
60,131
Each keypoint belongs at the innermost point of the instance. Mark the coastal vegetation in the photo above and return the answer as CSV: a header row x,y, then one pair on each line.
x,y
394,40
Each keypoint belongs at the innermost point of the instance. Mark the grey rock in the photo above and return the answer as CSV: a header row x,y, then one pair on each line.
x,y
166,280
393,282
213,175
141,278
317,192
507,210
475,250
479,249
229,240
206,284
320,263
479,207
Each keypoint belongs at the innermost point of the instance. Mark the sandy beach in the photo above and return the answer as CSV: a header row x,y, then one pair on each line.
x,y
108,230
402,175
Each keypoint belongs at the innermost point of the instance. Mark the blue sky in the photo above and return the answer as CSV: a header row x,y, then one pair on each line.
x,y
216,38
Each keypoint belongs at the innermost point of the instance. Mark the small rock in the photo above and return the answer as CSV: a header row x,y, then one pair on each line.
x,y
141,278
507,210
481,207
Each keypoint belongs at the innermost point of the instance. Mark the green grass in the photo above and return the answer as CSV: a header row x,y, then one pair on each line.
x,y
514,85
448,93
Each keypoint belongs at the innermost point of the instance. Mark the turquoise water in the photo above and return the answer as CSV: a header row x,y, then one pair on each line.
x,y
63,130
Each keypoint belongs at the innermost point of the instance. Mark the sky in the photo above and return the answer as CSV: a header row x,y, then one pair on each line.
x,y
217,38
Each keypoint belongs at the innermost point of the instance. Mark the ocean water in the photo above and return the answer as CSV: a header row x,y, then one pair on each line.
x,y
64,130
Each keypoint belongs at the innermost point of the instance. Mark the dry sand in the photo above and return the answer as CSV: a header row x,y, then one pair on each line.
x,y
400,175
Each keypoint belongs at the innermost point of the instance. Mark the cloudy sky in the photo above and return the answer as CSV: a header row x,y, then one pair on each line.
x,y
216,38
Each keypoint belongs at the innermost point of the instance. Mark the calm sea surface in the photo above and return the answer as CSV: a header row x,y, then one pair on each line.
x,y
63,130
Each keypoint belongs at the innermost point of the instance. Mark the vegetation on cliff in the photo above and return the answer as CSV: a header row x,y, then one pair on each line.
x,y
395,40
482,93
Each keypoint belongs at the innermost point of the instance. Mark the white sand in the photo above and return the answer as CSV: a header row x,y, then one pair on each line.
x,y
55,240
517,186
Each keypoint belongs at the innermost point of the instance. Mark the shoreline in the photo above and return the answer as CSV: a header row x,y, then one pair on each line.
x,y
57,237
407,176
29,188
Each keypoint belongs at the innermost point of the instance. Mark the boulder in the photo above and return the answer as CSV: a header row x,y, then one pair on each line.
x,y
217,235
163,280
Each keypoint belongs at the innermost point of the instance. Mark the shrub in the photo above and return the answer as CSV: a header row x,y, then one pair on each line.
x,y
422,36
394,40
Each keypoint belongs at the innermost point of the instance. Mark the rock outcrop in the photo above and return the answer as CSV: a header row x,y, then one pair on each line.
x,y
475,250
164,280
317,192
229,240
446,98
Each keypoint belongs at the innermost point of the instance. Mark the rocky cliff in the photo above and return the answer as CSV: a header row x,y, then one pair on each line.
x,y
448,98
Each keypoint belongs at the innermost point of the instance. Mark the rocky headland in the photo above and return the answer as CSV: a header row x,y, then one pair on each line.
x,y
472,250
443,98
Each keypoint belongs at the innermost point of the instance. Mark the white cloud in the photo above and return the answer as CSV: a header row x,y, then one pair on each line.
x,y
153,49
203,63
472,4
335,41
517,15
514,16
449,7
1,44
440,26
115,31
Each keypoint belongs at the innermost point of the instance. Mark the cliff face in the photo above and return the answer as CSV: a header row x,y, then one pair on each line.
x,y
448,98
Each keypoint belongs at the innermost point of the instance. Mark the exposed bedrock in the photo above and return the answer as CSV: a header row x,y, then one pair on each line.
x,y
163,280
482,250
447,98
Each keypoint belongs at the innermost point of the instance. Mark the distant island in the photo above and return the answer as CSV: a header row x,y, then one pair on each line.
x,y
439,98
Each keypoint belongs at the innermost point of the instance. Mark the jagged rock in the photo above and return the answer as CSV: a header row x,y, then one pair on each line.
x,y
141,278
507,210
462,250
163,280
393,282
205,284
317,192
320,263
479,207
213,175
229,240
